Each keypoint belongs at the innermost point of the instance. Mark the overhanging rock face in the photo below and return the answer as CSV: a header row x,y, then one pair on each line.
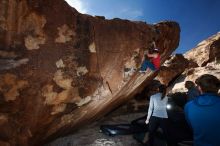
x,y
60,69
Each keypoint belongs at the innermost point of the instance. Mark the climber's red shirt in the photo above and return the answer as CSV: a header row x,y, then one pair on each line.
x,y
156,61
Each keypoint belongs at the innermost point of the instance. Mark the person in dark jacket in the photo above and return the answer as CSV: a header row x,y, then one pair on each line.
x,y
202,113
192,92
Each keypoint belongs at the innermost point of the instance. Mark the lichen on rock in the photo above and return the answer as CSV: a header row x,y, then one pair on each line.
x,y
58,109
82,70
84,101
33,43
132,64
68,94
65,34
3,119
92,48
33,23
60,64
47,91
62,82
11,86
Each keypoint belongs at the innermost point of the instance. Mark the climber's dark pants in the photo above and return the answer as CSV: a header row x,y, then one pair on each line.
x,y
147,64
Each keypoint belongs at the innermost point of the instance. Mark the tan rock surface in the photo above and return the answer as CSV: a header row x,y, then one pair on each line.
x,y
172,68
193,74
207,55
206,51
49,97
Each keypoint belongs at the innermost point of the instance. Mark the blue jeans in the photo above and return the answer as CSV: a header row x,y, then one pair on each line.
x,y
147,64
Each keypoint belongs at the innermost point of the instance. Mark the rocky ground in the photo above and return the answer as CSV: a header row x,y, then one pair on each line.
x,y
91,136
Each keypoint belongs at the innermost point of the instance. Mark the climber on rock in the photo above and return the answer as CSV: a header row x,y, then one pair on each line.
x,y
150,61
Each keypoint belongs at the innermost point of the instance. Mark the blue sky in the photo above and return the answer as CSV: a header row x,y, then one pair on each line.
x,y
198,19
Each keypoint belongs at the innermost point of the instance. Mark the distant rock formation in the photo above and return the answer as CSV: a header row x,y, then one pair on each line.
x,y
60,69
206,51
204,59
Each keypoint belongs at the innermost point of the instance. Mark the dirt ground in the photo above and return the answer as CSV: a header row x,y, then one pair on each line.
x,y
91,136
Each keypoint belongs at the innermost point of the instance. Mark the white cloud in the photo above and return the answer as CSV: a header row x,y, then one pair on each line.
x,y
79,5
131,13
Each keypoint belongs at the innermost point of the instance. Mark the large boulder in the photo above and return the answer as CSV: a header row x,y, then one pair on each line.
x,y
60,70
172,68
